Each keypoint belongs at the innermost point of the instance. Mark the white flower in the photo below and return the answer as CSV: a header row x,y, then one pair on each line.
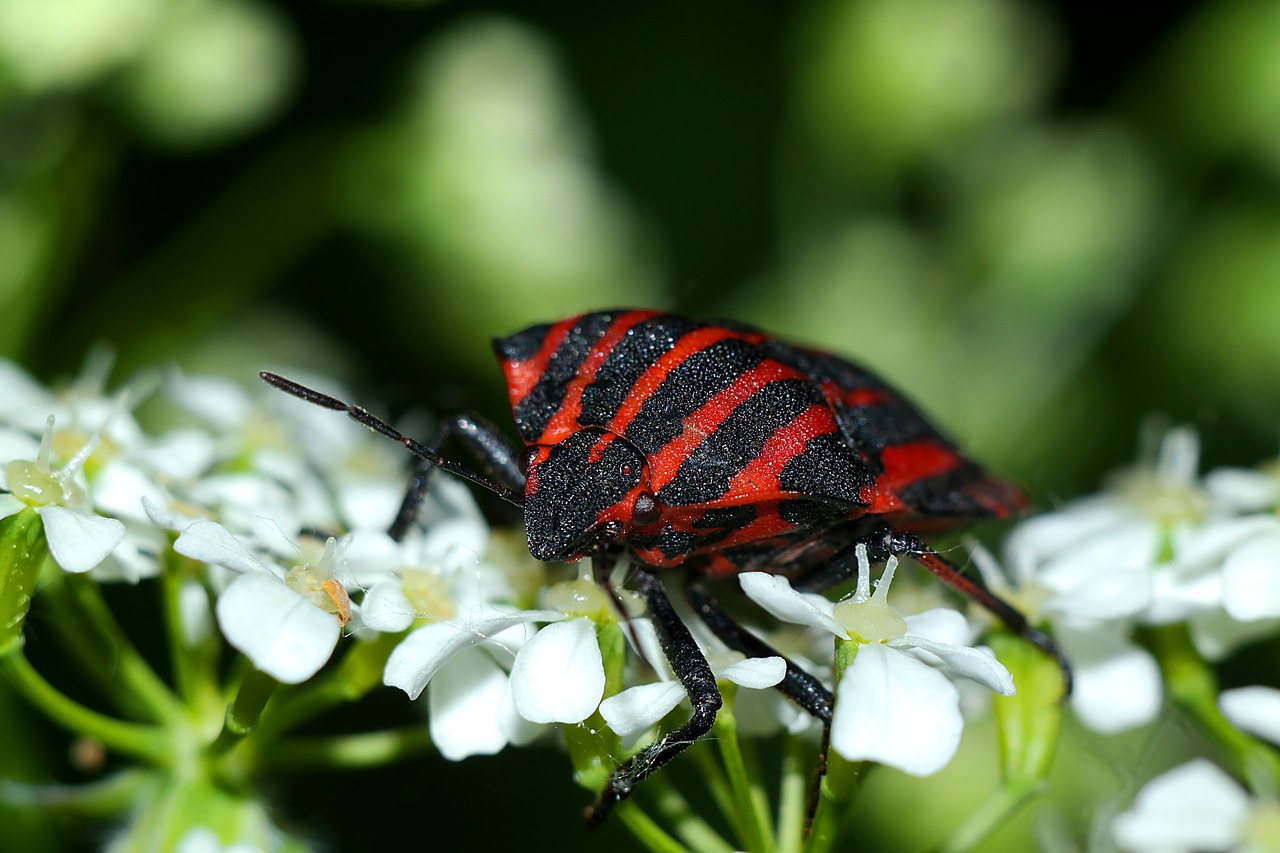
x,y
1254,709
1117,683
1197,808
638,708
894,703
79,540
286,621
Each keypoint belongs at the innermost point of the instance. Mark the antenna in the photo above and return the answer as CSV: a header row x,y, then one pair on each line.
x,y
418,449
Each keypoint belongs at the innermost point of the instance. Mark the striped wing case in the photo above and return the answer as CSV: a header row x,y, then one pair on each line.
x,y
749,441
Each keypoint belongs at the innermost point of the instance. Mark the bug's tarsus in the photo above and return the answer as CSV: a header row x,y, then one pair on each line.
x,y
691,667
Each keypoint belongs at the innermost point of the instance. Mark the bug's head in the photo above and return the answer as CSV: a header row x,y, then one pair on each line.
x,y
584,493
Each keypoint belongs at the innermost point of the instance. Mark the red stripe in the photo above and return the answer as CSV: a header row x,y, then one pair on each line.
x,y
656,373
522,376
917,460
565,421
761,474
664,464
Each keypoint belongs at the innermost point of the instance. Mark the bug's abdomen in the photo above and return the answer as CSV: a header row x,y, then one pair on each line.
x,y
717,418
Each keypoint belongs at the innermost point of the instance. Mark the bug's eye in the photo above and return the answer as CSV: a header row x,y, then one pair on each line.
x,y
646,510
530,454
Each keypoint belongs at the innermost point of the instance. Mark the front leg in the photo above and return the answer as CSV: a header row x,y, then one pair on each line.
x,y
499,459
691,667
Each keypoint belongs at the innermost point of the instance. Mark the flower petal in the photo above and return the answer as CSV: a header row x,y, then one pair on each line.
x,y
1117,684
1192,807
558,676
774,594
210,542
757,673
280,631
1254,709
978,665
385,607
466,705
1251,579
420,655
893,709
637,708
79,541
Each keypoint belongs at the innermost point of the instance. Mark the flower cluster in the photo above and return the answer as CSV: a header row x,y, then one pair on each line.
x,y
265,523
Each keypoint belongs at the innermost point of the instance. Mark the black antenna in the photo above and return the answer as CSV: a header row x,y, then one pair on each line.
x,y
362,416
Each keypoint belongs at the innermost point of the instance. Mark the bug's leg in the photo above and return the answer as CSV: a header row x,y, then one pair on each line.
x,y
888,541
500,461
691,667
797,685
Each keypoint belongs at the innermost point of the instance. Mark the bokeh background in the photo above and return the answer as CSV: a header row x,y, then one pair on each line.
x,y
1045,221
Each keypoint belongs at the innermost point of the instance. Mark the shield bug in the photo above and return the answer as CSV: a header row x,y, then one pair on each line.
x,y
714,449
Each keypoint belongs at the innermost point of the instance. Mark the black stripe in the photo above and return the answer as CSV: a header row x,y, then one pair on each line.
x,y
643,344
705,475
827,466
535,411
687,388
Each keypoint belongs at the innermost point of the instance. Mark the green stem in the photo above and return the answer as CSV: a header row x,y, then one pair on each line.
x,y
244,712
145,742
839,785
711,775
368,749
193,660
124,664
1193,685
101,799
695,832
993,814
646,830
359,672
793,794
750,813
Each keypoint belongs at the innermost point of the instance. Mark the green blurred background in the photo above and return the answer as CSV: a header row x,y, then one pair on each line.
x,y
1045,221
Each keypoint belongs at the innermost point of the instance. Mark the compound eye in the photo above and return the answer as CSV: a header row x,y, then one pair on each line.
x,y
646,510
530,454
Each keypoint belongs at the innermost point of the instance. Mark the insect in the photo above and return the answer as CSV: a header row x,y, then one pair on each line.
x,y
713,448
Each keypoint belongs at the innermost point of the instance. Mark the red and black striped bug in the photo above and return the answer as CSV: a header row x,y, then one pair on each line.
x,y
716,449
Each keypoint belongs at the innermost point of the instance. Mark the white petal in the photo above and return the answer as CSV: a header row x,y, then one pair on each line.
x,y
10,505
79,541
941,625
281,632
637,708
1254,709
893,709
1109,593
757,673
774,594
386,608
466,703
1241,489
210,542
978,665
193,613
421,654
1216,635
1192,807
119,489
1251,579
1117,684
558,676
1131,545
